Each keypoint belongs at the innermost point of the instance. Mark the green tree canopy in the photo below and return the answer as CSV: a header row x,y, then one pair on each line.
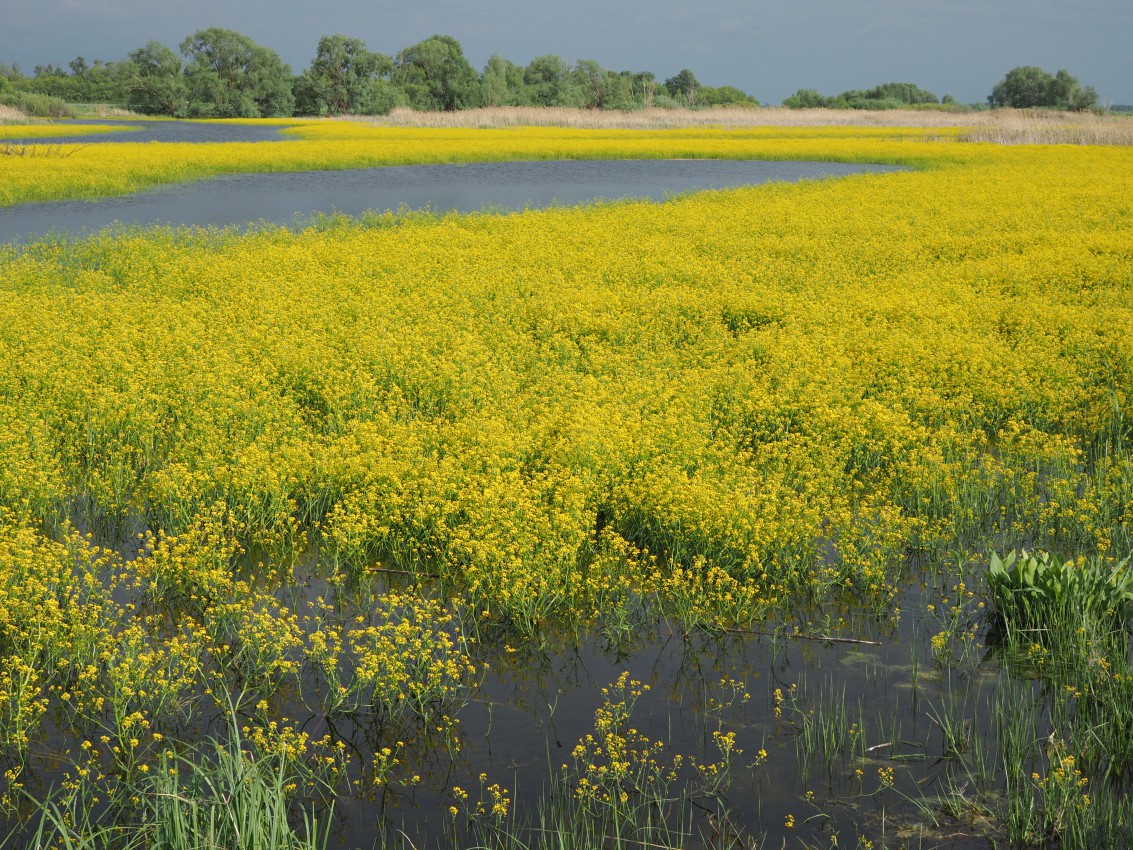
x,y
1028,86
1022,88
550,83
805,99
156,84
435,75
684,86
903,92
502,84
725,96
230,76
593,82
340,78
1067,93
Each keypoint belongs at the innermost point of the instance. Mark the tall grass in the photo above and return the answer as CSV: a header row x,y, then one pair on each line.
x,y
1003,126
664,119
104,110
218,795
12,115
1042,127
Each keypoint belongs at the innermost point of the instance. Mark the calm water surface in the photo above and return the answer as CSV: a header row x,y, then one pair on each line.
x,y
294,198
167,131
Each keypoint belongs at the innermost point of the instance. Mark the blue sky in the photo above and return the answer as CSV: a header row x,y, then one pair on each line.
x,y
769,48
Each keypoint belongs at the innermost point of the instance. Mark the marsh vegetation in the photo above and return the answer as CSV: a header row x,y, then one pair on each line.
x,y
677,525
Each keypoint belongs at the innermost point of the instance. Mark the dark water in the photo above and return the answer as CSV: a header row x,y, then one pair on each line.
x,y
293,198
539,702
165,131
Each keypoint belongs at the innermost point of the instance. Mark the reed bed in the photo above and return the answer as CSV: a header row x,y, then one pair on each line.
x,y
11,115
1005,126
1037,127
663,119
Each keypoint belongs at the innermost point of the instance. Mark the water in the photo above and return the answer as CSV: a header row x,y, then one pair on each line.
x,y
293,198
166,131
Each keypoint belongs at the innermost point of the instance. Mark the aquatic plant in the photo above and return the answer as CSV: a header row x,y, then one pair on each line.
x,y
1028,588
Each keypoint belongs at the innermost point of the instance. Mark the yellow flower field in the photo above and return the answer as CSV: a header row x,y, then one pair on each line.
x,y
719,407
29,132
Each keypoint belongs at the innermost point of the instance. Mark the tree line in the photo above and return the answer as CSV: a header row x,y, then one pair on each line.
x,y
1024,87
219,73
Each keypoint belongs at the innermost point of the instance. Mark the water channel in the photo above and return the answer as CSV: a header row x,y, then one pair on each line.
x,y
294,198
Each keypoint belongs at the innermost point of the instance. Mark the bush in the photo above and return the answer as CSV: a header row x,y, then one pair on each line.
x,y
37,105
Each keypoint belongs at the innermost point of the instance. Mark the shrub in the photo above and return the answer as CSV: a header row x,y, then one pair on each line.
x,y
37,105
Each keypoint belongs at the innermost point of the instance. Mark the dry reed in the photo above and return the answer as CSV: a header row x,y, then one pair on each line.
x,y
1043,127
662,119
1001,126
11,115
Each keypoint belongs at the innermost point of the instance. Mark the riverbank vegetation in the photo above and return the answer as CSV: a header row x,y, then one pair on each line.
x,y
289,512
345,77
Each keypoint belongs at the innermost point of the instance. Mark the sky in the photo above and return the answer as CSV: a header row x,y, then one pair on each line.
x,y
768,48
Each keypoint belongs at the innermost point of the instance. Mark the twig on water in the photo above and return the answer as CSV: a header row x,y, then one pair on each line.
x,y
390,571
821,638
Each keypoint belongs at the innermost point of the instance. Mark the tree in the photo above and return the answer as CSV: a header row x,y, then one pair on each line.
x,y
643,86
903,92
502,84
1022,88
550,83
1028,86
805,99
340,78
1067,93
230,76
385,96
592,81
725,96
684,86
621,87
156,84
435,75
